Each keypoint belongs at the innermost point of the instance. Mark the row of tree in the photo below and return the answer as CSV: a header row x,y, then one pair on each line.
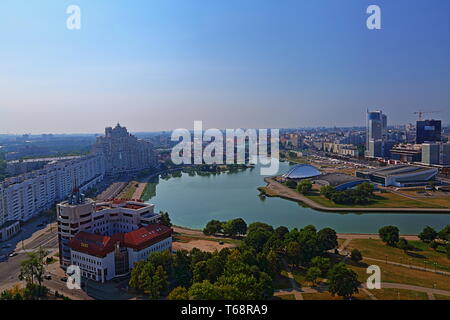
x,y
391,236
230,228
360,195
247,271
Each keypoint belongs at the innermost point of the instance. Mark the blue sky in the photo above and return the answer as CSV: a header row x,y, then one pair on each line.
x,y
161,64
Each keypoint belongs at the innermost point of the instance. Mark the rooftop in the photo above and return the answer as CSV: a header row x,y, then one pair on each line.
x,y
336,179
99,245
302,171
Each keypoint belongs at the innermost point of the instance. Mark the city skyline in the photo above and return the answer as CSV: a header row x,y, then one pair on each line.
x,y
158,67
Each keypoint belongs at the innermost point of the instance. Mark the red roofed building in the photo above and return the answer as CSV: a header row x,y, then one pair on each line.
x,y
102,258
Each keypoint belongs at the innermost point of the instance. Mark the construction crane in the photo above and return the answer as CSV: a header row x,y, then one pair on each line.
x,y
421,113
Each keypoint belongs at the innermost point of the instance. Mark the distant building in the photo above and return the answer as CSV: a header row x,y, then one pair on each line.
x,y
124,152
399,175
428,131
376,134
407,152
436,153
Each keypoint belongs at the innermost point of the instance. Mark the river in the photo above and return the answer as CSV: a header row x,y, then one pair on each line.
x,y
192,201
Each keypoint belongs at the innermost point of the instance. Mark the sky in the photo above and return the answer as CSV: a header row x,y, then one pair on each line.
x,y
161,64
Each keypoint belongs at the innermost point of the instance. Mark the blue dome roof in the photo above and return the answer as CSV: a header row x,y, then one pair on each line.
x,y
302,171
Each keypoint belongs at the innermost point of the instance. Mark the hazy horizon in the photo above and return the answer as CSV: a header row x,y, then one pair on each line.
x,y
157,66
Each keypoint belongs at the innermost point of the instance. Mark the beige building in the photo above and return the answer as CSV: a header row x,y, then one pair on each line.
x,y
124,152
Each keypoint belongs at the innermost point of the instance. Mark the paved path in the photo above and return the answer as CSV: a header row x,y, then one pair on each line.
x,y
445,273
295,288
288,193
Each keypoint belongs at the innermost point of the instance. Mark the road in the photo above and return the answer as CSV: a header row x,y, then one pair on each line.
x,y
45,238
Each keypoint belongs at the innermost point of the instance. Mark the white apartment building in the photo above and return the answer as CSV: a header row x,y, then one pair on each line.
x,y
107,218
23,196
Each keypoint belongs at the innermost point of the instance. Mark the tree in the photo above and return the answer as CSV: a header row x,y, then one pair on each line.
x,y
403,244
179,293
238,226
428,234
205,291
165,219
213,227
304,186
312,275
200,272
366,189
356,255
291,184
444,234
342,281
327,191
389,235
259,225
32,268
281,231
323,264
257,239
327,239
293,252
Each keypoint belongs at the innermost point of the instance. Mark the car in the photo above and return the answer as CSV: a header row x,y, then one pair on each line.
x,y
48,277
221,242
64,279
12,254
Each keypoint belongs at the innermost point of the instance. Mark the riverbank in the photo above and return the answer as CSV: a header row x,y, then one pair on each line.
x,y
276,189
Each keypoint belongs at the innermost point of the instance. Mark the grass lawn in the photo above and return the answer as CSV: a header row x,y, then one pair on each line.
x,y
187,237
396,294
396,274
422,256
129,190
381,200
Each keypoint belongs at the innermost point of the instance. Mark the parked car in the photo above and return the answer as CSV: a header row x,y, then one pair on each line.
x,y
12,254
64,279
48,277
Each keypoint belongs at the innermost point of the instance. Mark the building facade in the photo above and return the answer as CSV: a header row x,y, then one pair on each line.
x,y
26,195
79,214
123,152
102,258
376,134
428,131
436,153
